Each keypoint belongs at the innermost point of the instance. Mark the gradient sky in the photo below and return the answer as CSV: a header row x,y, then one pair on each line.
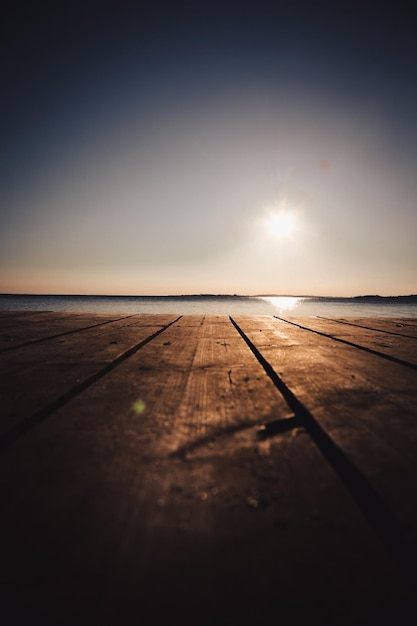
x,y
147,147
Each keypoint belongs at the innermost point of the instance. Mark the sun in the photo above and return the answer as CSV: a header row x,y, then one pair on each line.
x,y
281,224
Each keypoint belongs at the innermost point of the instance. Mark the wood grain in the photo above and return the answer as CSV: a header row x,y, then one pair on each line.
x,y
183,486
366,404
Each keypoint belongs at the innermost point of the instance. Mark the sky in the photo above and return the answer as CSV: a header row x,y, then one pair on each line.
x,y
155,148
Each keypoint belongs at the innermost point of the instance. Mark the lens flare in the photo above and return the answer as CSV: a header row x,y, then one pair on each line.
x,y
139,406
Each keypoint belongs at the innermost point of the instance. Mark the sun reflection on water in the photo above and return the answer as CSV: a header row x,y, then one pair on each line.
x,y
283,303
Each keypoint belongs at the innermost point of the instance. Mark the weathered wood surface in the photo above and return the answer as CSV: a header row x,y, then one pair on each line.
x,y
390,325
40,375
387,344
163,469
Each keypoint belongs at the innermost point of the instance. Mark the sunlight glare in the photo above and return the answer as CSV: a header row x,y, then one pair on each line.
x,y
281,224
284,303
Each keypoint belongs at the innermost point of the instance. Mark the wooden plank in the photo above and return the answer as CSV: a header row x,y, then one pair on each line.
x,y
367,405
18,331
192,356
151,498
386,344
396,326
35,377
10,315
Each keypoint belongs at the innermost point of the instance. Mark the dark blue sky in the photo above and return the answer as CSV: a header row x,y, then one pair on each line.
x,y
184,125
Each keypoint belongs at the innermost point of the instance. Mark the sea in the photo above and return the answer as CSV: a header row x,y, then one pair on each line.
x,y
208,304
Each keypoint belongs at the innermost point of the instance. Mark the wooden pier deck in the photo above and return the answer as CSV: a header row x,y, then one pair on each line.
x,y
196,470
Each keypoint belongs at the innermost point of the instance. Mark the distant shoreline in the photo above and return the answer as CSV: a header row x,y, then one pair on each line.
x,y
211,295
221,304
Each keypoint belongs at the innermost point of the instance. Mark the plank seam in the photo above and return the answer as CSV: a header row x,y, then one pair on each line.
x,y
395,535
377,330
67,332
12,435
382,355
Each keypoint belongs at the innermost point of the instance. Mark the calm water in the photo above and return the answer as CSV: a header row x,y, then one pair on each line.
x,y
217,305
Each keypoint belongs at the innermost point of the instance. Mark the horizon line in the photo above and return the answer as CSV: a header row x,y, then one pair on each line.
x,y
203,295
